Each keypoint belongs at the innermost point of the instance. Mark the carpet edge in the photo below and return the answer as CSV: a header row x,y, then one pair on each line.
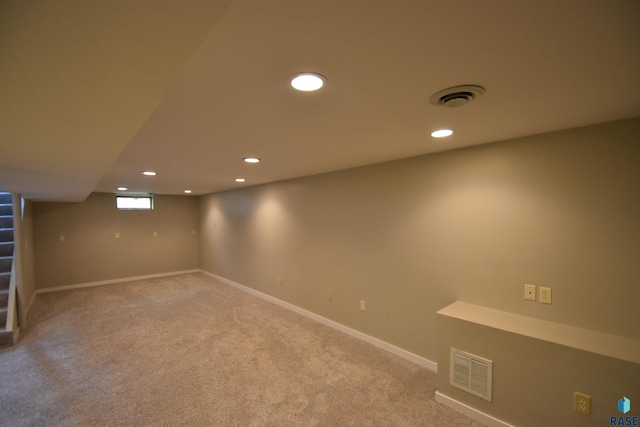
x,y
107,282
470,412
407,355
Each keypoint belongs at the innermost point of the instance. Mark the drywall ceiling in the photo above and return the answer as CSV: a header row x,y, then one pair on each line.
x,y
93,93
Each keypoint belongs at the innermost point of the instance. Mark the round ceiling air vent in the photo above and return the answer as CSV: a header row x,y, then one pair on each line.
x,y
456,96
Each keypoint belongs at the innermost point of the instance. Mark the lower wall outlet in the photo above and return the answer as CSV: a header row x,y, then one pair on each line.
x,y
545,295
581,403
280,280
329,296
363,305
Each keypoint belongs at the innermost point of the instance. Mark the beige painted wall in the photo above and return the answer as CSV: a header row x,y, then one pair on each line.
x,y
90,251
476,224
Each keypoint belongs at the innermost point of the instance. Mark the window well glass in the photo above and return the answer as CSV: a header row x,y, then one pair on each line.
x,y
134,202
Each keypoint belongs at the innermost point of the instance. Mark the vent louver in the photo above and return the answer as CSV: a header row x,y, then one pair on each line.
x,y
471,373
456,96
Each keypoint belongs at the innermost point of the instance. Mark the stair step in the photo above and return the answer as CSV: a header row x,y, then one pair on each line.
x,y
6,249
6,338
6,210
6,234
5,264
5,198
4,297
6,221
5,278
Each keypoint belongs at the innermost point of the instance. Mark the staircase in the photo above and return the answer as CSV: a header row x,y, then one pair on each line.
x,y
6,261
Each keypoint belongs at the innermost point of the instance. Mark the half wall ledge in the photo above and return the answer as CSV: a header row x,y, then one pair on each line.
x,y
614,346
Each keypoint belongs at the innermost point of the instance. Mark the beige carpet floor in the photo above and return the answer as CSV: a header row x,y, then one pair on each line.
x,y
187,350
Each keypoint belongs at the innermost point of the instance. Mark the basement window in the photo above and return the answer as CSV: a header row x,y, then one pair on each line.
x,y
143,203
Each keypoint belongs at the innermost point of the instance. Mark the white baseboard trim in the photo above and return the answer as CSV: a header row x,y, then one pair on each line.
x,y
470,412
418,360
109,282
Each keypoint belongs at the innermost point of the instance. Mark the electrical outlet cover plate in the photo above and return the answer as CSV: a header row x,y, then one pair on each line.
x,y
530,292
545,295
581,403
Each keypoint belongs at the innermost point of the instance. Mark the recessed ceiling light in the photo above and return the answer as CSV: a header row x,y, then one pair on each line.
x,y
187,191
240,180
307,82
122,188
442,133
149,173
251,160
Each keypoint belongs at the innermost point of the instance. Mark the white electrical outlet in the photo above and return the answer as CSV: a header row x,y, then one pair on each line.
x,y
530,292
363,305
545,295
280,280
581,403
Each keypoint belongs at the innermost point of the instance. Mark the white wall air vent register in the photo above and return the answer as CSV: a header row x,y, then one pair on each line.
x,y
471,373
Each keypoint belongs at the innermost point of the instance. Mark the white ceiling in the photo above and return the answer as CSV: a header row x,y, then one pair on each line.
x,y
93,93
